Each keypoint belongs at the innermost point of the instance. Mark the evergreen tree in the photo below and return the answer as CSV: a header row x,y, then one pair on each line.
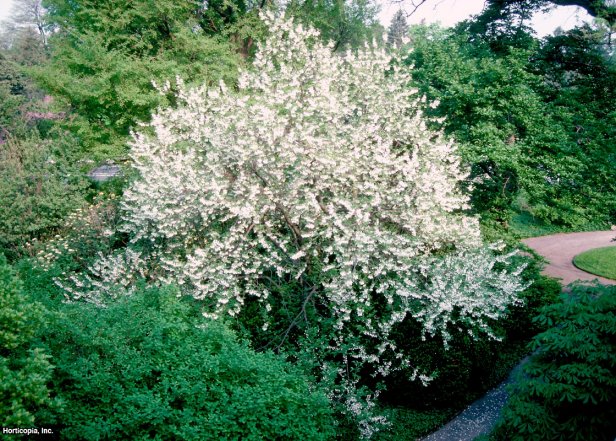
x,y
105,58
398,29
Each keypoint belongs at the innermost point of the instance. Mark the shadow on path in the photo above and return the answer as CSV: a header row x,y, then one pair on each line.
x,y
479,418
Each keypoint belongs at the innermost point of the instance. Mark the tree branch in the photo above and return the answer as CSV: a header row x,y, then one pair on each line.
x,y
415,5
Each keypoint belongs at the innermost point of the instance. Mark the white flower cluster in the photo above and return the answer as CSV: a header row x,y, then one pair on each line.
x,y
109,277
319,167
85,225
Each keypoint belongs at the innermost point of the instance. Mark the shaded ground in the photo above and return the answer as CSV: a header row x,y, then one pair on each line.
x,y
479,417
560,249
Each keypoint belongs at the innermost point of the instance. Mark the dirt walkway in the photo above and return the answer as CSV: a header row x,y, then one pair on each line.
x,y
559,250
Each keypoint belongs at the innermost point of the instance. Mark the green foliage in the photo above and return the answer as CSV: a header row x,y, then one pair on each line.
x,y
16,93
39,180
519,10
568,388
87,232
24,368
533,121
504,24
104,59
579,89
147,367
347,23
600,261
26,47
38,187
524,225
222,16
489,103
411,424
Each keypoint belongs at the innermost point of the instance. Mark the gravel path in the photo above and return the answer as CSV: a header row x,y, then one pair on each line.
x,y
478,418
475,420
559,250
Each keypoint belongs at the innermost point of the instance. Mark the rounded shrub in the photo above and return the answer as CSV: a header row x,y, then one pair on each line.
x,y
149,367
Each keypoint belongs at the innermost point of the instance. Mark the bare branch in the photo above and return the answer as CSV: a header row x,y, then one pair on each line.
x,y
415,5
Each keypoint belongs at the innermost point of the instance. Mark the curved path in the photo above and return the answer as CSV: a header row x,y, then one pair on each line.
x,y
559,249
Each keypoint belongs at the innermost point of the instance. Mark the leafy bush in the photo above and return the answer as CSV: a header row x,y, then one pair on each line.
x,y
149,367
39,186
568,388
24,368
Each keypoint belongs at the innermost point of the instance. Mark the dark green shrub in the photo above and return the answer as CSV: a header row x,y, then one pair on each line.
x,y
149,367
24,368
568,388
410,424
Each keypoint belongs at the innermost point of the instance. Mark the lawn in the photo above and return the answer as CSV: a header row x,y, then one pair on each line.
x,y
600,261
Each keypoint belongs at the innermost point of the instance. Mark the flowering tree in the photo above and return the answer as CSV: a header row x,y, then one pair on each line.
x,y
319,171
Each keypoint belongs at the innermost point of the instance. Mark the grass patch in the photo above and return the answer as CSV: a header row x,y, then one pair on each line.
x,y
600,262
525,225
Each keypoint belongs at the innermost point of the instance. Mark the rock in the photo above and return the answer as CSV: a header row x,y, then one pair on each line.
x,y
105,172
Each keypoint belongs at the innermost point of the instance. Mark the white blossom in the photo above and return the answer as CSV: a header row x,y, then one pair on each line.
x,y
315,158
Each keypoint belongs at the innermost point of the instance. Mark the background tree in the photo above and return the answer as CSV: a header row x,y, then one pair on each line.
x,y
497,9
31,14
23,36
605,9
531,145
398,29
347,23
105,57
